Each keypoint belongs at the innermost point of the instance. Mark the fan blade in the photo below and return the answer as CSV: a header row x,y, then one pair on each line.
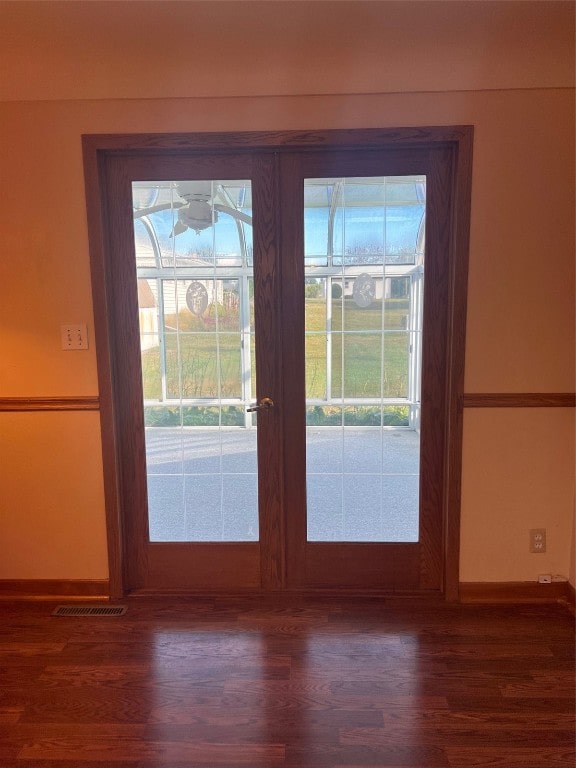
x,y
155,209
178,229
234,212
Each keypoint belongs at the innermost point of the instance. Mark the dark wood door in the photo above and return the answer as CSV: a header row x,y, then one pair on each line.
x,y
256,269
193,301
372,518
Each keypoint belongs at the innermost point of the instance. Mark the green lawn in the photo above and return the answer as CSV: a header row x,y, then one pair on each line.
x,y
358,347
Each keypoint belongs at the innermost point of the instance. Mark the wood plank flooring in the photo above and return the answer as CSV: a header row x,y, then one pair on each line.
x,y
287,682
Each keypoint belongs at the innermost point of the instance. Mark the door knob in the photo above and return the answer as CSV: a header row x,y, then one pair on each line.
x,y
264,405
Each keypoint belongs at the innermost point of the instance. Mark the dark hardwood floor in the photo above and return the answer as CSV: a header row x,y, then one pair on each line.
x,y
301,682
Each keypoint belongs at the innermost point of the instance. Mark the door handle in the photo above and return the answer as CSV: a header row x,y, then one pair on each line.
x,y
264,405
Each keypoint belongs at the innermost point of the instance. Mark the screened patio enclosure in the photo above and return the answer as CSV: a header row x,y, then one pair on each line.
x,y
363,253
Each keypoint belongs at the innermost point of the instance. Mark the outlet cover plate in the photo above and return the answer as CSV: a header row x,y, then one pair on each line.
x,y
74,336
538,540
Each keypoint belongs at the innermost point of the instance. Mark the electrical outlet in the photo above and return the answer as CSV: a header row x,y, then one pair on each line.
x,y
538,540
74,336
545,578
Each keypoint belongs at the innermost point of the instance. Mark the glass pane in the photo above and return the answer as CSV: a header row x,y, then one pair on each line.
x,y
316,319
316,366
363,347
361,360
397,303
151,371
193,242
364,221
316,235
396,364
190,224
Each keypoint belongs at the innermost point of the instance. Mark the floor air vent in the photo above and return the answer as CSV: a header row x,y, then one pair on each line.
x,y
89,610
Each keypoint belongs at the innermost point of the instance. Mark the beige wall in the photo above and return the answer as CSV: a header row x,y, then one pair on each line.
x,y
518,464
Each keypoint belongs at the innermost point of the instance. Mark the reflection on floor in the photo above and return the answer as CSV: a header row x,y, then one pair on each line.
x,y
362,484
278,681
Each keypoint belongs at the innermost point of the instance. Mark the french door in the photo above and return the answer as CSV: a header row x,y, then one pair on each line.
x,y
277,342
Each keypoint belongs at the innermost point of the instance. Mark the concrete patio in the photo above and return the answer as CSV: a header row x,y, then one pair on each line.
x,y
362,484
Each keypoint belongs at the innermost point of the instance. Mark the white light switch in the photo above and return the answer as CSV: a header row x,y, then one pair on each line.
x,y
74,336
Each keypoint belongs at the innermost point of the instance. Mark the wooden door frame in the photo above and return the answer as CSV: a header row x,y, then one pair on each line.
x,y
457,140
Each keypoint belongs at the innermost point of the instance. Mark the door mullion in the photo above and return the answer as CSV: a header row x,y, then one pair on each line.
x,y
269,367
293,360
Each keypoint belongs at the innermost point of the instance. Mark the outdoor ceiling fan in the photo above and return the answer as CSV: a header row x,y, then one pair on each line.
x,y
198,211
